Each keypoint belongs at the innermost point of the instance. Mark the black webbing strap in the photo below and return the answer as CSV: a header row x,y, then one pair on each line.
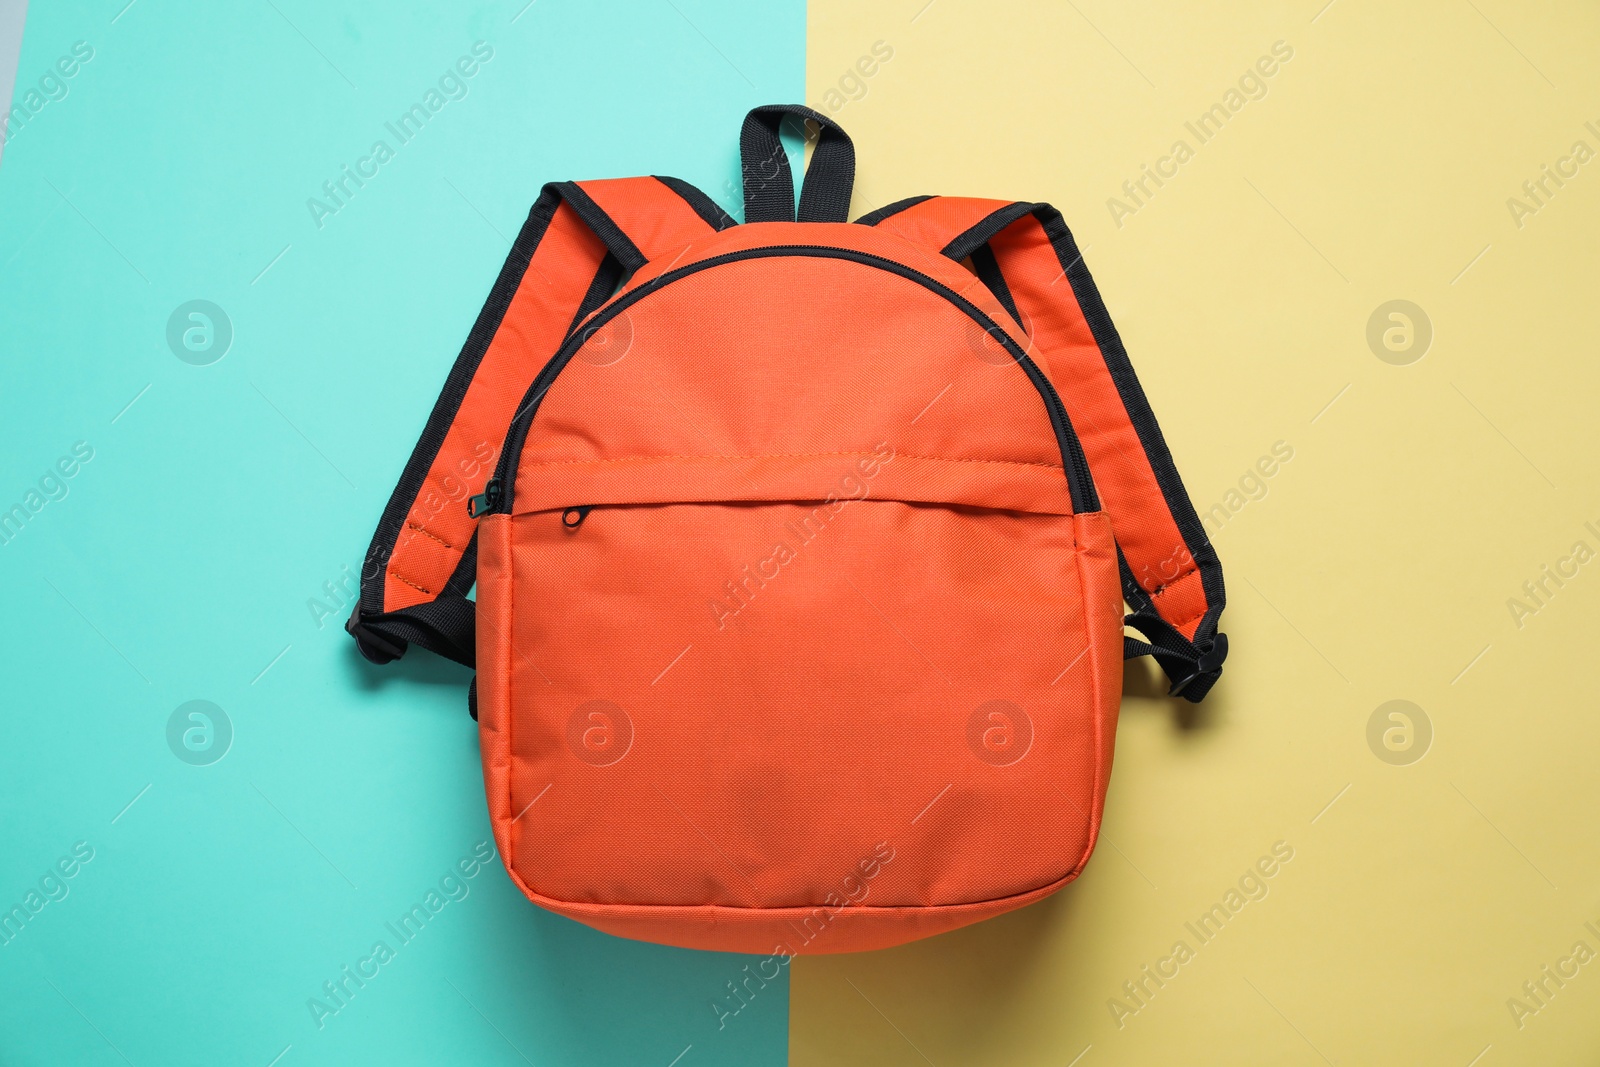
x,y
445,626
768,182
1193,672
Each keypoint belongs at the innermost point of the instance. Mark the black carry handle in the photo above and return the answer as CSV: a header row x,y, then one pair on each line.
x,y
768,184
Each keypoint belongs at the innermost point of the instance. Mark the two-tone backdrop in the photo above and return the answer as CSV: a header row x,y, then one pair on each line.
x,y
1351,250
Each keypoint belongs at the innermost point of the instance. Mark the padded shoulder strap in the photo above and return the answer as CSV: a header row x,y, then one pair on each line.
x,y
580,242
933,221
1171,575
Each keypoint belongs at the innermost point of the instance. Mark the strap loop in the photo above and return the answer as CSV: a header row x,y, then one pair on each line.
x,y
1193,667
768,183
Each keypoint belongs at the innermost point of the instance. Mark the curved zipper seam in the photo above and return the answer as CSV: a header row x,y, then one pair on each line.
x,y
1075,462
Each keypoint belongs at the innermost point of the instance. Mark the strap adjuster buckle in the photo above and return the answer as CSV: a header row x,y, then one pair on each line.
x,y
372,645
1208,667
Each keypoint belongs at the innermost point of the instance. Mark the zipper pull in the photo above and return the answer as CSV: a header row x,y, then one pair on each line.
x,y
485,500
573,518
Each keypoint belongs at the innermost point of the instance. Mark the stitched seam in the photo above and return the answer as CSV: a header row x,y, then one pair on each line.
x,y
397,576
1099,695
430,534
507,688
1007,902
1193,615
1164,586
798,455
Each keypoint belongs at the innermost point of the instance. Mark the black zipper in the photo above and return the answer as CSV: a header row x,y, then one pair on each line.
x,y
496,499
485,501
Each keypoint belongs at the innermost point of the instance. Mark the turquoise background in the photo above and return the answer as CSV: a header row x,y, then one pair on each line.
x,y
181,561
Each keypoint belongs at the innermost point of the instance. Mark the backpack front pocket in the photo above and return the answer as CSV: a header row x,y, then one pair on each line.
x,y
743,681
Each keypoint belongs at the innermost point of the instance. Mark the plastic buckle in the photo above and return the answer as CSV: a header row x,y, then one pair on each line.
x,y
1208,665
373,646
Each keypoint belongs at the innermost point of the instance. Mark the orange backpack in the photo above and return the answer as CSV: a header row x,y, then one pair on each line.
x,y
801,550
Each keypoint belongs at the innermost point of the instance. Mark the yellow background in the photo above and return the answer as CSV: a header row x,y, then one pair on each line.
x,y
1378,565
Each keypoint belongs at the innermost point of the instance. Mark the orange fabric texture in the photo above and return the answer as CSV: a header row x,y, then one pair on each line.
x,y
791,641
937,221
904,722
654,218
